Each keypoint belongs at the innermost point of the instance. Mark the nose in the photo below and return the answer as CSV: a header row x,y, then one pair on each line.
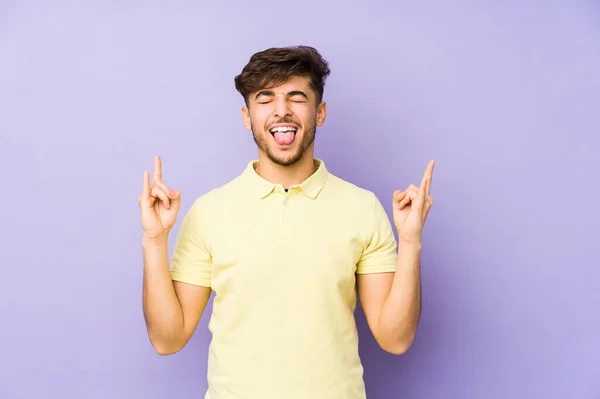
x,y
282,107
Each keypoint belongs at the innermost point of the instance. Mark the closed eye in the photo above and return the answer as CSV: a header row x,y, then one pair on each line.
x,y
263,96
297,96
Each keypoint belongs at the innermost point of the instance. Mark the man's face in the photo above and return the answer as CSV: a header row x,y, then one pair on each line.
x,y
284,119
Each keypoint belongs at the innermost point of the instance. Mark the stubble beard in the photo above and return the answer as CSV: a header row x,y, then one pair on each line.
x,y
286,159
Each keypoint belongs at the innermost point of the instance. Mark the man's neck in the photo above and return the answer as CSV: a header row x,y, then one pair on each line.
x,y
287,176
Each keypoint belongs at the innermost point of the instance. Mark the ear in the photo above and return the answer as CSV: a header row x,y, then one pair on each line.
x,y
246,118
321,113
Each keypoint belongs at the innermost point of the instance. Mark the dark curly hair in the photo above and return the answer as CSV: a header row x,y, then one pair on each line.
x,y
276,65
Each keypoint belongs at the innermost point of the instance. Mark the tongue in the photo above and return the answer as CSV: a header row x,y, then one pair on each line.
x,y
283,138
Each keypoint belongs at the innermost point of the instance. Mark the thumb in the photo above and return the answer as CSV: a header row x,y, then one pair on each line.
x,y
399,195
175,196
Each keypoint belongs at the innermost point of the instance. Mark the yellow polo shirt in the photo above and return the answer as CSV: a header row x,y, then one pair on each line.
x,y
282,266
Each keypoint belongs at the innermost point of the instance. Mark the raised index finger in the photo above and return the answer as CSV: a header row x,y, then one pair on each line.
x,y
157,168
429,176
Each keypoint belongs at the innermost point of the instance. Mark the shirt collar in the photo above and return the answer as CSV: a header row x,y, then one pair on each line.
x,y
311,186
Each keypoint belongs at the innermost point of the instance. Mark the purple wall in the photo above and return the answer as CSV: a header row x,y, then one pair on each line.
x,y
507,100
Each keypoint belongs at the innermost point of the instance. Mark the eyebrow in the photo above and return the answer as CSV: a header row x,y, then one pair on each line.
x,y
289,94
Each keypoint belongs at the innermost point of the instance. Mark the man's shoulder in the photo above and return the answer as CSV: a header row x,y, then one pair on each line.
x,y
220,194
351,192
351,196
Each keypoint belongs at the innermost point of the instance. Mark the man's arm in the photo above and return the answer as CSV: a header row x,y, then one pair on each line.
x,y
172,309
392,301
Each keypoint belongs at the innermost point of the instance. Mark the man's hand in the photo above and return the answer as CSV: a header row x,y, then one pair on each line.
x,y
410,208
159,205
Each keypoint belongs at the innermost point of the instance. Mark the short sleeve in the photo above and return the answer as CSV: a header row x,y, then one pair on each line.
x,y
380,254
192,262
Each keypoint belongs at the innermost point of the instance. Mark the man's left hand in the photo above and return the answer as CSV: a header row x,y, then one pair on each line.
x,y
410,208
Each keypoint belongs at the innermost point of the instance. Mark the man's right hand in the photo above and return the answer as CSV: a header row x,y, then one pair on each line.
x,y
159,205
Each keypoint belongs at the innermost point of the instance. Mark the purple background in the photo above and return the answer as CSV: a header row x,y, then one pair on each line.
x,y
504,95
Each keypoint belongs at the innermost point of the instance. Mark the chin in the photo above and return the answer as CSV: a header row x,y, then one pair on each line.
x,y
286,160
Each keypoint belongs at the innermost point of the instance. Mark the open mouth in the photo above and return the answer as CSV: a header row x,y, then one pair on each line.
x,y
284,134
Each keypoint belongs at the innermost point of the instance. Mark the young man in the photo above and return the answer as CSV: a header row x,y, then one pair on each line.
x,y
282,246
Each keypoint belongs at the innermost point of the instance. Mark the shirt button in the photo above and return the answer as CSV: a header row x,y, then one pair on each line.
x,y
285,203
285,221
